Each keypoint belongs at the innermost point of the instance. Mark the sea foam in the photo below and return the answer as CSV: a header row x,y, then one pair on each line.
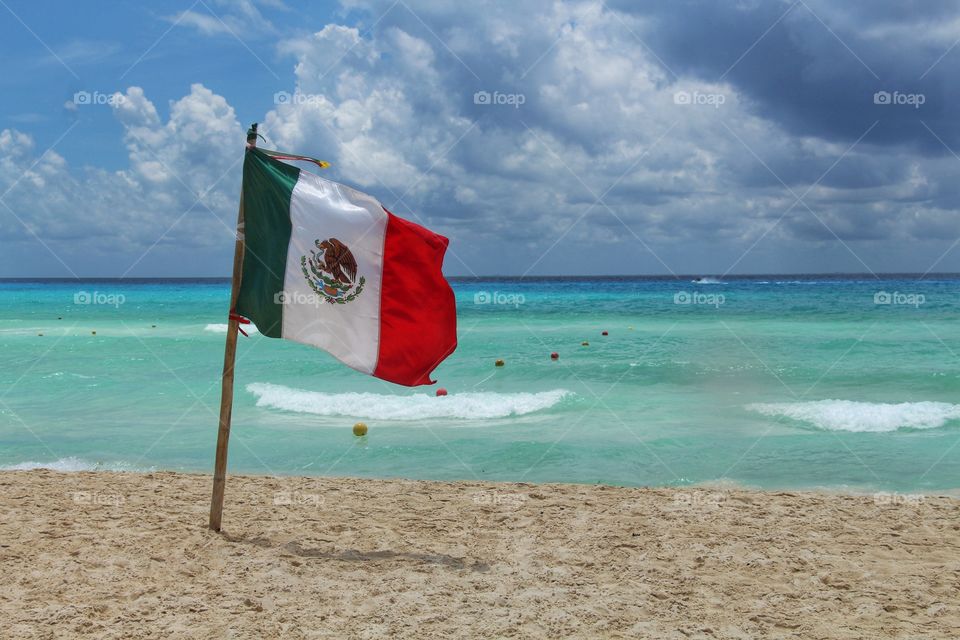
x,y
222,328
374,406
847,415
71,464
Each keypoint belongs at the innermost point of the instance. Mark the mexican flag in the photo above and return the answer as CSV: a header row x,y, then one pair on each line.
x,y
328,266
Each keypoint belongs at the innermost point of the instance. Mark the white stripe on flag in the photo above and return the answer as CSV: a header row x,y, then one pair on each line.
x,y
319,210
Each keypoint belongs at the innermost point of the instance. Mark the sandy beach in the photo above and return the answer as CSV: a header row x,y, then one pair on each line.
x,y
117,555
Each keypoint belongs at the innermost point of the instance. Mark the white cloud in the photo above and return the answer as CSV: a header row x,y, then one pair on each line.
x,y
600,118
594,105
179,170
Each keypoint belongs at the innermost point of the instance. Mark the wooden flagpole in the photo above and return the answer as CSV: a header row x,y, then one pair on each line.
x,y
229,357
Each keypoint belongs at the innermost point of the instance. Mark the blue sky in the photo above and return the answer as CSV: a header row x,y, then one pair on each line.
x,y
110,46
541,137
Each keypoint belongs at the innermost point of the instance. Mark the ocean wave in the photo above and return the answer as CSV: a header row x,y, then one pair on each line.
x,y
707,281
872,417
70,464
420,406
222,328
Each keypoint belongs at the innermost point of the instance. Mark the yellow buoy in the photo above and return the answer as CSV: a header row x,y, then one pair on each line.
x,y
498,363
360,429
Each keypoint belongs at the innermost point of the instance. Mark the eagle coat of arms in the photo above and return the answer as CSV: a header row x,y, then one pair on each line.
x,y
331,271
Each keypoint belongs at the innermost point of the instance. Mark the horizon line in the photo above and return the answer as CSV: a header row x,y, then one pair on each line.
x,y
663,276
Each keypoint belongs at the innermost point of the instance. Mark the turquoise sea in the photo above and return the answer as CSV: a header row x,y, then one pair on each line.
x,y
848,382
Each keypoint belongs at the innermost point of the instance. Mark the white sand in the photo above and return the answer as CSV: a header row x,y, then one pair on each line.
x,y
112,555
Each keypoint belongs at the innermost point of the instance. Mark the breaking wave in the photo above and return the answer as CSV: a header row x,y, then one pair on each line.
x,y
873,417
420,406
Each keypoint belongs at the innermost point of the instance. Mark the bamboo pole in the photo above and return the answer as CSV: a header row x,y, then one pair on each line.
x,y
229,357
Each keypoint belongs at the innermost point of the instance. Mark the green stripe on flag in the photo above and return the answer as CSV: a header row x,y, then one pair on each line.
x,y
267,187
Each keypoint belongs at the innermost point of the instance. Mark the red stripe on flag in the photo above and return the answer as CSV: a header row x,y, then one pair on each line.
x,y
418,314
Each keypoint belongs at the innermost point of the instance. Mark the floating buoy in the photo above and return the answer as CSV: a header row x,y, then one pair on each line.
x,y
498,363
554,356
360,429
441,392
584,344
604,333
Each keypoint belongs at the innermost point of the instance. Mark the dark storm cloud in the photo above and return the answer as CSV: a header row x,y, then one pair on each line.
x,y
815,67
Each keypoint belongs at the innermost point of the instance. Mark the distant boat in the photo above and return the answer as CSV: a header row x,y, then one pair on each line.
x,y
706,280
